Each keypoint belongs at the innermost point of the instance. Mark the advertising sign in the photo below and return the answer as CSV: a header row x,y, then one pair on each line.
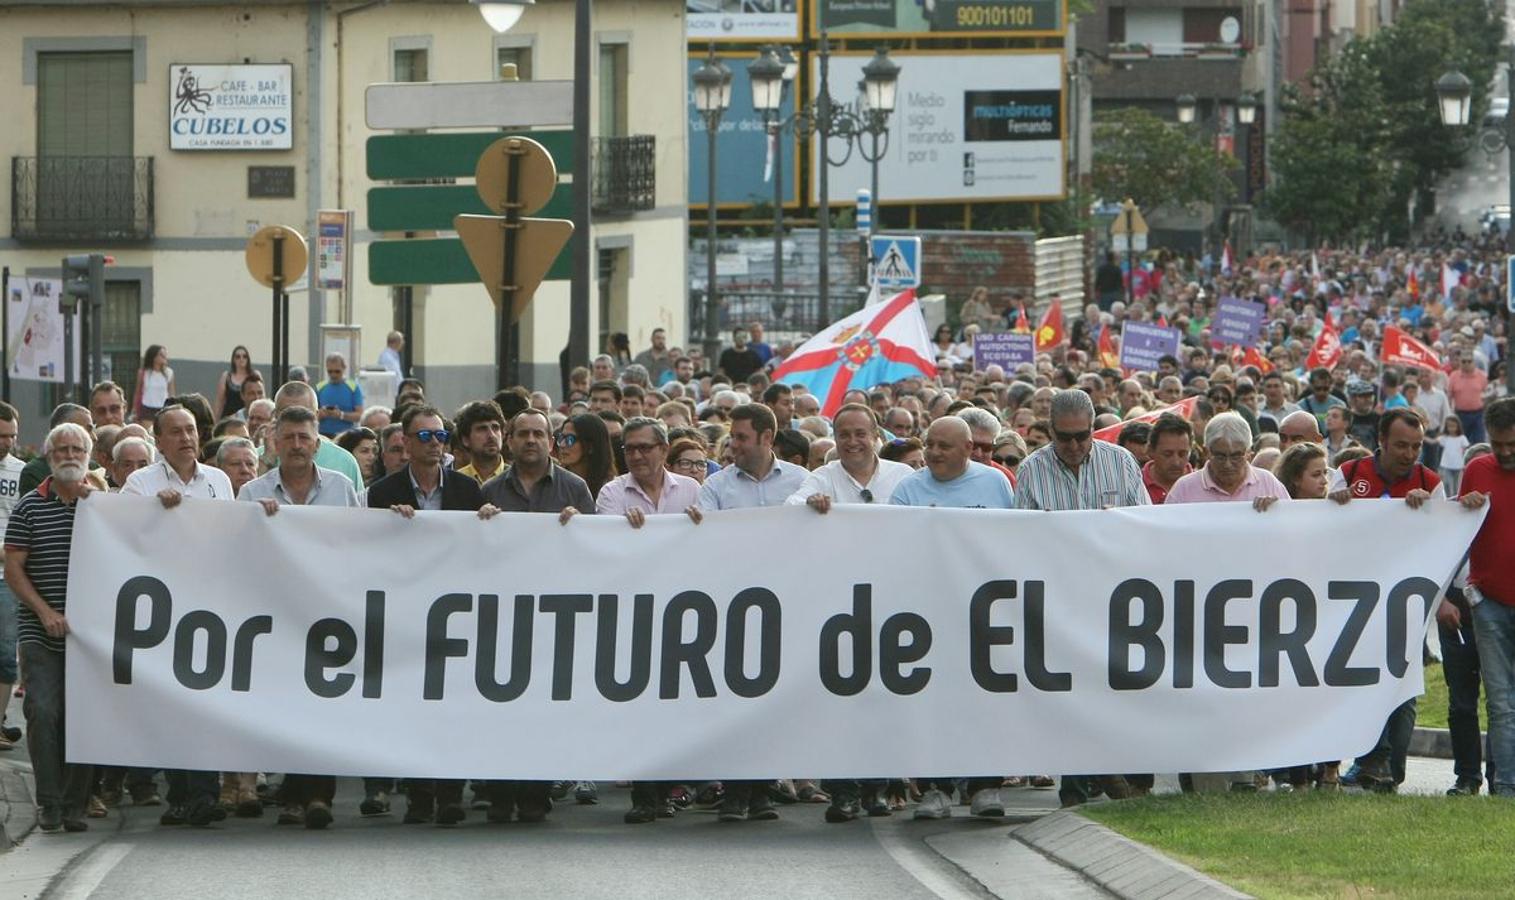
x,y
34,344
743,156
1007,349
965,128
230,107
741,20
333,248
1142,344
934,18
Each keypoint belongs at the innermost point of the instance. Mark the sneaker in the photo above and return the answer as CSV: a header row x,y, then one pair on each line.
x,y
934,805
560,789
147,798
10,733
987,804
586,793
1465,787
49,819
74,824
317,815
875,805
760,807
451,814
641,814
1043,781
1375,775
292,814
843,809
733,809
202,811
174,815
375,804
96,809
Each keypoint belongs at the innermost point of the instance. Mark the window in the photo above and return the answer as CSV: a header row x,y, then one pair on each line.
x,y
520,57
84,104
1117,26
411,64
121,334
613,285
612,81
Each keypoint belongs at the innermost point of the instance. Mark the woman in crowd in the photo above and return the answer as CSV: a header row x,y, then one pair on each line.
x,y
687,457
155,383
229,388
909,451
582,446
363,444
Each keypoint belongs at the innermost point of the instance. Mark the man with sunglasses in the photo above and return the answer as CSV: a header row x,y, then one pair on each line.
x,y
423,484
1076,471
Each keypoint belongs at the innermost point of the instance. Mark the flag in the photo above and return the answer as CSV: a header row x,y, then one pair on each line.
x,y
1412,284
1226,260
1109,355
1315,266
1399,349
1327,349
1022,324
1450,279
1183,409
876,345
1254,357
1162,320
1049,331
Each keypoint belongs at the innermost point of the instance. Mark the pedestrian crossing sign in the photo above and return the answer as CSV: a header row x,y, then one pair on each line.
x,y
896,261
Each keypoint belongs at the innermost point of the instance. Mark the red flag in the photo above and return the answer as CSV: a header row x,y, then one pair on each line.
x,y
1254,357
1162,320
1399,349
1049,332
1022,324
1412,284
1109,356
1183,409
1327,349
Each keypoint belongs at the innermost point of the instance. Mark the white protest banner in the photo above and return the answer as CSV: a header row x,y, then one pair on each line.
x,y
872,641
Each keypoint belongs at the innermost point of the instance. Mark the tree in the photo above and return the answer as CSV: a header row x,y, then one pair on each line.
x,y
1155,163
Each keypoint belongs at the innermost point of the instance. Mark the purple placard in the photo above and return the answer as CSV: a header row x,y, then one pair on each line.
x,y
1006,349
1238,322
1142,344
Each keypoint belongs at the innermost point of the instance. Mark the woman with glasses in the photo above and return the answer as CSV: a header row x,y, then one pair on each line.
x,y
909,451
229,388
582,446
687,457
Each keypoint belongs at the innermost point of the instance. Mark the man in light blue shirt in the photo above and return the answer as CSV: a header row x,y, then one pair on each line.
x,y
950,477
756,476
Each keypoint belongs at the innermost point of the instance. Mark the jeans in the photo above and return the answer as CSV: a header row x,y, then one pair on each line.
x,y
1472,425
1494,624
1393,744
1459,664
57,784
8,626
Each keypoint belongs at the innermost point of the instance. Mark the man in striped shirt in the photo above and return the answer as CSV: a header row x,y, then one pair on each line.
x,y
38,543
1077,472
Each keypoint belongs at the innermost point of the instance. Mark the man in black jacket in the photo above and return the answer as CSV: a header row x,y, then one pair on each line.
x,y
423,484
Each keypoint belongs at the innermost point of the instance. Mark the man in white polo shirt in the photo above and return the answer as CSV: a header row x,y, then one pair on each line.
x,y
176,475
857,475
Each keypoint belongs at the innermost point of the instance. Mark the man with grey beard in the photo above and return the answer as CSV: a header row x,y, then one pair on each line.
x,y
38,544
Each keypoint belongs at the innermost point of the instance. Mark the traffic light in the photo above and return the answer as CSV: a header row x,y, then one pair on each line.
x,y
84,279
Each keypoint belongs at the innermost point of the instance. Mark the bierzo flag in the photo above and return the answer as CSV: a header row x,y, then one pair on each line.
x,y
878,344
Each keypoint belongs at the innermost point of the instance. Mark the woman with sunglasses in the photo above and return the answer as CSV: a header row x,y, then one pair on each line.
x,y
582,446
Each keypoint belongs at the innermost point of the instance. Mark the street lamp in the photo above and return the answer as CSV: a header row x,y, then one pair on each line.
x,y
1246,108
1187,106
1454,93
502,14
770,76
712,96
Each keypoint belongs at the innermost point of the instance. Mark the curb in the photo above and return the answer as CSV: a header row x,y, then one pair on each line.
x,y
1436,743
1116,863
18,814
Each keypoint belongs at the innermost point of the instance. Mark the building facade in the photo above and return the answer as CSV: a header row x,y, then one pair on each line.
x,y
109,152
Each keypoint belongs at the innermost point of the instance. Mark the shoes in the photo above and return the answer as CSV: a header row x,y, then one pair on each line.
x,y
875,805
711,795
451,814
667,810
96,809
586,793
641,814
1114,786
248,805
1375,775
317,815
375,804
292,814
560,789
987,804
50,819
532,810
500,812
1043,781
10,733
1013,781
1329,778
202,811
679,796
74,823
733,809
419,810
1465,787
760,808
174,815
843,809
147,797
228,796
934,805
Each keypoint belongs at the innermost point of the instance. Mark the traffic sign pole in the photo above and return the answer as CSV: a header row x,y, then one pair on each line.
x,y
1130,263
279,341
507,366
273,254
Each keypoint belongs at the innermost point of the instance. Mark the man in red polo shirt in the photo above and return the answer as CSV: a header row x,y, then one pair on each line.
x,y
1492,478
1168,448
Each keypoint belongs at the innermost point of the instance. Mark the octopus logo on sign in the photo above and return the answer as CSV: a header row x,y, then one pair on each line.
x,y
188,95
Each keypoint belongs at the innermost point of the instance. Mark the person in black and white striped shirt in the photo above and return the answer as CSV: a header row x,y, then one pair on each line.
x,y
38,543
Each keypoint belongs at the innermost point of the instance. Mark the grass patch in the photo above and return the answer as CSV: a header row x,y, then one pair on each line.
x,y
1432,711
1312,845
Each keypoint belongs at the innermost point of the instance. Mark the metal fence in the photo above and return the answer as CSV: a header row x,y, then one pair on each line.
x,y
786,316
625,174
82,198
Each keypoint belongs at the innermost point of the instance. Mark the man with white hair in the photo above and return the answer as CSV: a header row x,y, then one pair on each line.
x,y
985,427
133,453
38,546
1229,473
258,414
602,368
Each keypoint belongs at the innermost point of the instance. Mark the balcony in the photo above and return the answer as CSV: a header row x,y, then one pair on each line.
x,y
101,199
625,174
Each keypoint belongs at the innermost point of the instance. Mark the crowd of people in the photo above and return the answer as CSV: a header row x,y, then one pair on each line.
x,y
663,433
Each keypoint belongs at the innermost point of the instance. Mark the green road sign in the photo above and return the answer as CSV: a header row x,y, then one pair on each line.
x,y
436,261
392,157
432,207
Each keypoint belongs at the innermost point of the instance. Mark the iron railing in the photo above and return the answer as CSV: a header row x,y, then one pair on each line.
x,y
625,174
788,316
82,198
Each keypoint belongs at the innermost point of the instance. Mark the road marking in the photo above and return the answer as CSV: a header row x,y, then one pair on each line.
x,y
924,864
84,876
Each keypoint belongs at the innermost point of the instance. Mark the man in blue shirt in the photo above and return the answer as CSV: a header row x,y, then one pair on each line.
x,y
950,477
341,400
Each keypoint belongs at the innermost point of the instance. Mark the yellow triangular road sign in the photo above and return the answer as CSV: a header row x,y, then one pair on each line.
x,y
537,246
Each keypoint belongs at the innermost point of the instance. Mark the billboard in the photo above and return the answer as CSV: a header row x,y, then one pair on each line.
x,y
214,107
742,152
741,20
938,18
966,128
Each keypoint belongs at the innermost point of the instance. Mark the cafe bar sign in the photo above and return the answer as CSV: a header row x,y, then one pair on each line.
x,y
218,107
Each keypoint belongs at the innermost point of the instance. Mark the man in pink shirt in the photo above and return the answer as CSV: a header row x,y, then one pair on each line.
x,y
1465,388
647,487
1229,475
